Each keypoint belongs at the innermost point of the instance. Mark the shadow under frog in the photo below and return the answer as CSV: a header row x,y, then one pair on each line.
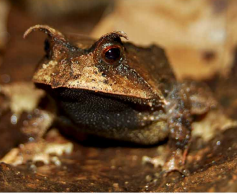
x,y
117,90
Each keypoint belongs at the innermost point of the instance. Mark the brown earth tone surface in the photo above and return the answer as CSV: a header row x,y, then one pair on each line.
x,y
103,165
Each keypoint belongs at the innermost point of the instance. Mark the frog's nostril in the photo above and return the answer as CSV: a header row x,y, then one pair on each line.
x,y
47,47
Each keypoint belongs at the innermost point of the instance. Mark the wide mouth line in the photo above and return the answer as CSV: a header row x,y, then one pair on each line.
x,y
98,91
125,98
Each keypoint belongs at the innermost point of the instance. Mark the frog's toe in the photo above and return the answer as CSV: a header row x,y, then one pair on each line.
x,y
175,162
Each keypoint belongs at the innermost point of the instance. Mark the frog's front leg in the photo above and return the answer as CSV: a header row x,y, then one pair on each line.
x,y
183,101
179,121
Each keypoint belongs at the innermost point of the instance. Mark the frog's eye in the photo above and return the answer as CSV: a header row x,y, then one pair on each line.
x,y
111,53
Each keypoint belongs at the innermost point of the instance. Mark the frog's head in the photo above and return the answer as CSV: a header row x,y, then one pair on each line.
x,y
104,66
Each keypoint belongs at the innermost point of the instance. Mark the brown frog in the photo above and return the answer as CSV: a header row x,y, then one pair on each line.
x,y
117,90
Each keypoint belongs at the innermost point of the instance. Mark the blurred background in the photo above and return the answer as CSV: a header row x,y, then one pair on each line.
x,y
199,36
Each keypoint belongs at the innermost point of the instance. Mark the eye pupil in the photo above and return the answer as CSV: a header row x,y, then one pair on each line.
x,y
112,54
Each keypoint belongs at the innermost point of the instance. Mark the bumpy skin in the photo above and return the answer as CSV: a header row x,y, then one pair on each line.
x,y
135,98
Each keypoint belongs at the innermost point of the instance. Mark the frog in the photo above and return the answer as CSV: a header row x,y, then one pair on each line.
x,y
115,89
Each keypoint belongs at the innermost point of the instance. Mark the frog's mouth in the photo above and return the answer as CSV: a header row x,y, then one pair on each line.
x,y
78,95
